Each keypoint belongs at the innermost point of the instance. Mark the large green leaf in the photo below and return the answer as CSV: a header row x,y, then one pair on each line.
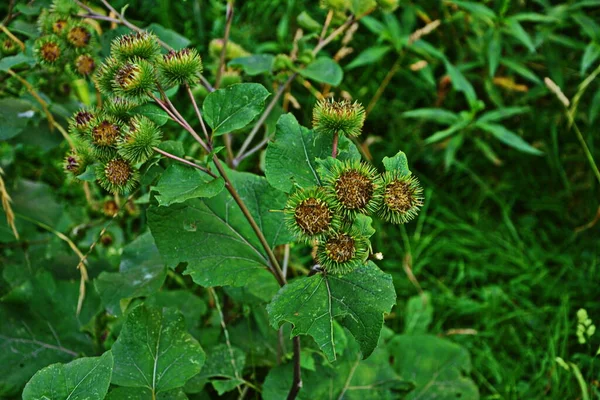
x,y
357,300
234,107
142,272
153,112
254,65
14,116
324,70
291,157
128,393
437,367
215,238
509,138
40,327
180,183
168,36
155,351
87,378
224,368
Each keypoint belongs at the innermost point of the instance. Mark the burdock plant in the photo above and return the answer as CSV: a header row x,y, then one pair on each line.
x,y
223,226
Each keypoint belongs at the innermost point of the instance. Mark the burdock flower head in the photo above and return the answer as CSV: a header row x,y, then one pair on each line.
x,y
104,132
117,175
181,66
49,49
119,107
105,76
309,215
78,159
342,252
8,46
342,117
134,79
402,197
136,144
353,186
80,121
78,35
64,7
142,45
84,65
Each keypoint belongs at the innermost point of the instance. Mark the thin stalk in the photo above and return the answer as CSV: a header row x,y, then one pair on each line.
x,y
229,19
586,149
262,119
181,122
384,83
333,35
297,381
198,113
334,150
274,264
184,161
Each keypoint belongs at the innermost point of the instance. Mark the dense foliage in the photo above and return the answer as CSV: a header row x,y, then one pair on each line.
x,y
222,199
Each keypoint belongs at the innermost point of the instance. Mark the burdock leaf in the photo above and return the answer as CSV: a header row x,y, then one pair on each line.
x,y
234,107
214,237
180,183
438,368
141,273
291,157
357,300
155,351
85,378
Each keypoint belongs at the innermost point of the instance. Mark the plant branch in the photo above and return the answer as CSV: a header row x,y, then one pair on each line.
x,y
198,113
297,381
262,119
274,264
184,161
13,37
333,35
229,19
384,84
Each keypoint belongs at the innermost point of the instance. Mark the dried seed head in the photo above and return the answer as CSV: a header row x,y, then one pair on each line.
x,y
48,49
105,133
309,215
353,187
342,117
117,176
354,190
402,197
340,248
85,65
118,171
79,36
342,252
313,216
59,25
